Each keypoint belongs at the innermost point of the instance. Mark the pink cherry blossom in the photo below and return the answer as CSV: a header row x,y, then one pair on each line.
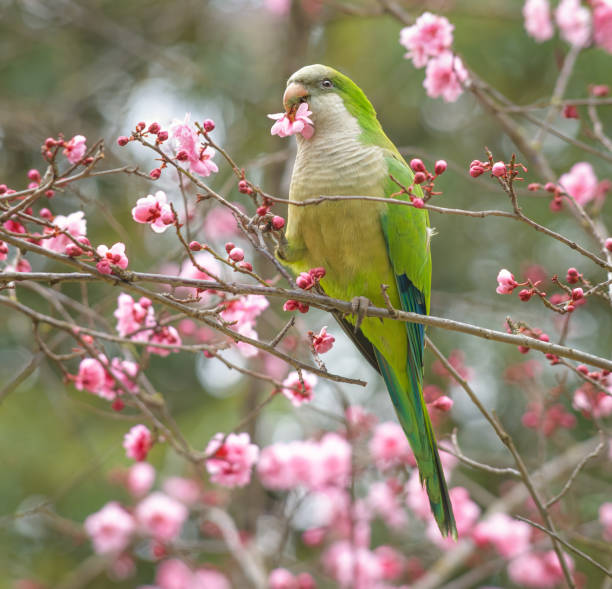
x,y
592,402
220,223
443,77
155,210
357,568
510,537
91,376
173,574
184,490
291,123
322,342
75,149
391,562
505,282
140,478
133,316
209,579
245,309
430,36
537,19
538,570
574,22
602,24
115,255
231,460
161,516
281,579
186,139
297,392
605,519
333,461
580,182
273,467
110,529
137,442
74,223
389,446
383,499
167,335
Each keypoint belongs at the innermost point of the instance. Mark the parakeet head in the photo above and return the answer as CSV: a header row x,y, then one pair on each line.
x,y
331,96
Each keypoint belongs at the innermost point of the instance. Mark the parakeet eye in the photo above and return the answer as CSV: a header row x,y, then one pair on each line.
x,y
327,84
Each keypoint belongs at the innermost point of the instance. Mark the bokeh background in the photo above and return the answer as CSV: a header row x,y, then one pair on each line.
x,y
97,67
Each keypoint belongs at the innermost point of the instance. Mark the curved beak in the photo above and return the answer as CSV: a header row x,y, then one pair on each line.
x,y
293,95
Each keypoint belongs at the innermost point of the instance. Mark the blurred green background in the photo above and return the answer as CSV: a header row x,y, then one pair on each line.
x,y
98,67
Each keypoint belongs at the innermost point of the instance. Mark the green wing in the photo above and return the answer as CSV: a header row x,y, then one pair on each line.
x,y
407,235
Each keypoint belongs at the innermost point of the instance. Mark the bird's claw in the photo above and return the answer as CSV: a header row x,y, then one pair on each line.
x,y
359,307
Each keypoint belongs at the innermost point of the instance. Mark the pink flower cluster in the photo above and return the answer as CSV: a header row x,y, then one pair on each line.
x,y
136,320
322,342
283,579
389,446
110,529
505,282
311,464
230,459
293,122
298,390
243,312
175,574
188,148
160,517
577,25
510,537
154,210
99,376
75,224
429,43
115,255
538,569
548,419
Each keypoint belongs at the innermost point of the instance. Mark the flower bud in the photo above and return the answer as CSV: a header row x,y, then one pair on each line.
x,y
476,170
155,173
582,368
534,186
599,90
418,203
34,175
577,294
243,186
122,140
498,169
417,165
50,142
262,211
317,273
440,167
195,246
419,178
246,266
305,281
608,244
73,250
3,188
46,214
236,254
525,294
278,222
140,126
162,136
154,128
208,125
550,187
182,155
570,112
443,403
229,246
572,276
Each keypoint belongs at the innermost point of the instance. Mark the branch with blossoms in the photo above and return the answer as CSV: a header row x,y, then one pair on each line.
x,y
212,298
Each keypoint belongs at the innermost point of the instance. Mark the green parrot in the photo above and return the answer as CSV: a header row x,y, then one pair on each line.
x,y
363,245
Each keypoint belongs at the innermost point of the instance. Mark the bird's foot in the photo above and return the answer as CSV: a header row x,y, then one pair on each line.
x,y
359,307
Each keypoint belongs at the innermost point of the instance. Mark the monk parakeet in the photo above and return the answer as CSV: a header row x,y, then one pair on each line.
x,y
363,245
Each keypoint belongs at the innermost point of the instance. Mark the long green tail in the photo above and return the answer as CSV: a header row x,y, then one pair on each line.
x,y
412,413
